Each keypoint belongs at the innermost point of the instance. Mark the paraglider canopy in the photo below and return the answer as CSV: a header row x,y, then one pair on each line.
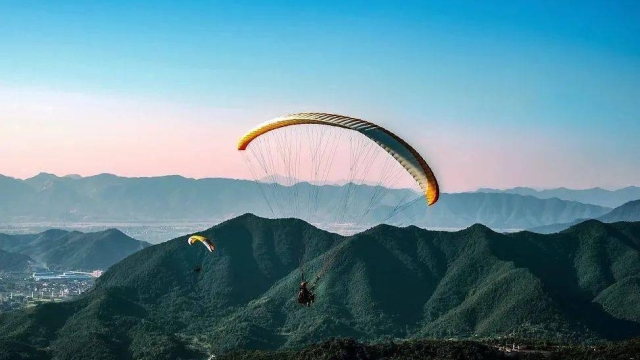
x,y
399,149
338,173
204,240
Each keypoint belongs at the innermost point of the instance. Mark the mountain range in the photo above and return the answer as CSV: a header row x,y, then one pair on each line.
x,y
626,212
595,196
71,250
290,180
384,283
109,198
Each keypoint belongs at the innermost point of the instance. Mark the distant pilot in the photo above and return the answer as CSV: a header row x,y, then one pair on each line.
x,y
305,296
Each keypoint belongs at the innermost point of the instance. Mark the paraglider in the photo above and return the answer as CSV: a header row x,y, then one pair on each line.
x,y
292,184
305,296
399,149
205,241
339,173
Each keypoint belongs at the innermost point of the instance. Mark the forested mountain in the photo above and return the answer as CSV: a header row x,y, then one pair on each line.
x,y
429,349
384,283
14,262
60,249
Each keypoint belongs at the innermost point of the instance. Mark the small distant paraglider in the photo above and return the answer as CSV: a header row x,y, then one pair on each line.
x,y
204,240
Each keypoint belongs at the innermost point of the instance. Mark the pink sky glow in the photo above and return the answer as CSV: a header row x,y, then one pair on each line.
x,y
70,133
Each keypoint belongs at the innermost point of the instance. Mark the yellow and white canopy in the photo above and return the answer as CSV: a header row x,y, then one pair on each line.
x,y
402,152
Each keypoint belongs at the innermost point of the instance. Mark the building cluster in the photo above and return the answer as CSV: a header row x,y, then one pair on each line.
x,y
19,290
65,275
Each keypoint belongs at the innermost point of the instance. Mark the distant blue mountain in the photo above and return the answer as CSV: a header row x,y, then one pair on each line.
x,y
71,250
629,212
110,198
595,196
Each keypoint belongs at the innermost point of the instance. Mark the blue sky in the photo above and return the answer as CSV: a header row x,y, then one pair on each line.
x,y
494,92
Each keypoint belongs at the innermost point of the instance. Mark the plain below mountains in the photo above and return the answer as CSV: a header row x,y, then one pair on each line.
x,y
382,284
65,250
47,198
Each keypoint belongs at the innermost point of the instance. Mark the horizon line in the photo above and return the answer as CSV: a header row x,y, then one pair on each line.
x,y
479,189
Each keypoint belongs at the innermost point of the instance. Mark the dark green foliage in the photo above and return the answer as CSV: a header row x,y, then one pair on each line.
x,y
74,250
622,299
385,283
346,349
626,350
36,326
14,350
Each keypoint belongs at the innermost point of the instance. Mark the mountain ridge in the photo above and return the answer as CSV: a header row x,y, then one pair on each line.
x,y
595,196
46,198
385,282
629,212
14,262
61,249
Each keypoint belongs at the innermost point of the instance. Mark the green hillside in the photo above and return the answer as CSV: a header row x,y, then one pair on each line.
x,y
385,283
14,262
59,249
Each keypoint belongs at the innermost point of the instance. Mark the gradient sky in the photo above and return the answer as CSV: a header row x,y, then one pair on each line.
x,y
493,93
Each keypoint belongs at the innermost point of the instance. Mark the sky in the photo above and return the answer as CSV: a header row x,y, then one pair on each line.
x,y
493,93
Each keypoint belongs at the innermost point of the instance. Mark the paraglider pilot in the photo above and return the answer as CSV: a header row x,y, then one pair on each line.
x,y
305,296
